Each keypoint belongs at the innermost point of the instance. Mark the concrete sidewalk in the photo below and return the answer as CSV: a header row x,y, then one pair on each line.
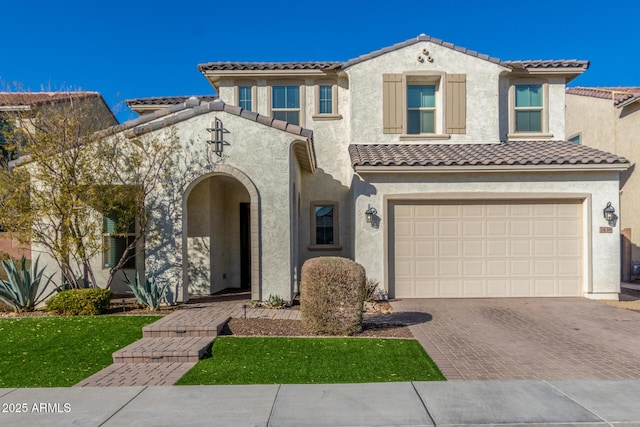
x,y
454,403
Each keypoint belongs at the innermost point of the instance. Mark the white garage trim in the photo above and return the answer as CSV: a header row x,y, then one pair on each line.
x,y
485,273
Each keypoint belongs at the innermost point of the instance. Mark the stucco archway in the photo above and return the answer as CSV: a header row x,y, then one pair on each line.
x,y
221,244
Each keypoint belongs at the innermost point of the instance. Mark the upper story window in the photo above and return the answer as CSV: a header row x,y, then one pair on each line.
x,y
576,139
528,108
424,105
245,97
285,103
421,109
325,99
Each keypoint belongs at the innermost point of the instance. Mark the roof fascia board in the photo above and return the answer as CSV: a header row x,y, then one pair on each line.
x,y
492,169
628,102
266,73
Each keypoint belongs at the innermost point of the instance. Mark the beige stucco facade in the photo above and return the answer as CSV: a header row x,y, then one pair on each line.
x,y
601,124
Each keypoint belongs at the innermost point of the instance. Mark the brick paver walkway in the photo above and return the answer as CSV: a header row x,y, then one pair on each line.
x,y
166,351
533,338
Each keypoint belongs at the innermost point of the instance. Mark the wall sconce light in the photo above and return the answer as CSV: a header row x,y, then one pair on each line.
x,y
369,214
609,214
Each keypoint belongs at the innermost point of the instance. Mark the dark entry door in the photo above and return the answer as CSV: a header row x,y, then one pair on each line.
x,y
245,246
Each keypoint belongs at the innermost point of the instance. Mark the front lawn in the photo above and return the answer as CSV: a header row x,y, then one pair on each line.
x,y
260,360
61,351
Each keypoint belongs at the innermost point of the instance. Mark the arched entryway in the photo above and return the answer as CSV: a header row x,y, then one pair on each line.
x,y
220,232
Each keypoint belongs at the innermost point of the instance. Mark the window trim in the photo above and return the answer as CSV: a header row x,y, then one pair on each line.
x,y
128,235
334,115
302,94
236,92
313,245
436,79
544,132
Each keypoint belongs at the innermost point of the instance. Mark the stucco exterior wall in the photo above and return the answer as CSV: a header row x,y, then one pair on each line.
x,y
257,152
482,86
600,268
603,126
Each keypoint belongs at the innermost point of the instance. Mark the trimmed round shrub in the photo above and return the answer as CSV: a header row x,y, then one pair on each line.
x,y
80,302
332,295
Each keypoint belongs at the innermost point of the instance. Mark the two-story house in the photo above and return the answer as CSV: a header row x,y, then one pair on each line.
x,y
443,171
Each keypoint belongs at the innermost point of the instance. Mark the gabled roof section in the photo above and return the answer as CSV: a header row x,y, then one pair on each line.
x,y
531,155
194,107
420,38
621,96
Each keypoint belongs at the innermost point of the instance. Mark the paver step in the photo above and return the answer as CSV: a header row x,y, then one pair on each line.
x,y
175,327
164,350
137,374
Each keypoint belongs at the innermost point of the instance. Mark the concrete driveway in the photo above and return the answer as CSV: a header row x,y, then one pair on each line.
x,y
527,338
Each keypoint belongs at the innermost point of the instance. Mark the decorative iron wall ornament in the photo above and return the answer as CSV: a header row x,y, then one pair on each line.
x,y
217,131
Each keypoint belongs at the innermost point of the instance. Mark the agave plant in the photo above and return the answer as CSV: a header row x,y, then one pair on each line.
x,y
149,293
21,290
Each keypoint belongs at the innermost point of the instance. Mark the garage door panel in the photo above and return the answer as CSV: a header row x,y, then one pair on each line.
x,y
486,249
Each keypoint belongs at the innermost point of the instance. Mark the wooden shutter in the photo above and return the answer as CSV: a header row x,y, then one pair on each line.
x,y
456,103
392,107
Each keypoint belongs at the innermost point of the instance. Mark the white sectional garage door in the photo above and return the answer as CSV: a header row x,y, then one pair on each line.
x,y
485,249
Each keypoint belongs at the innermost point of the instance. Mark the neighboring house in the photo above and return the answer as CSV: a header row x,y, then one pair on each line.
x,y
608,118
17,108
444,172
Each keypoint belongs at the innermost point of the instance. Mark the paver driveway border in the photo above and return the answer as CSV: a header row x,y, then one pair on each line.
x,y
527,338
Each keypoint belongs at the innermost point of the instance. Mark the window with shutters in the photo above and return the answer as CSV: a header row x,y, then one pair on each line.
x,y
117,234
528,109
424,106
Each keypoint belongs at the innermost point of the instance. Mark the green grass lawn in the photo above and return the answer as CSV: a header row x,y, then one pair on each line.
x,y
61,351
258,360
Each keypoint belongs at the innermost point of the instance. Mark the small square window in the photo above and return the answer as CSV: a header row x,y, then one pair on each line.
x,y
244,97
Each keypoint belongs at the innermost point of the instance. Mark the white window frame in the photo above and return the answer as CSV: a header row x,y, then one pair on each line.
x,y
424,79
336,228
544,132
334,115
302,93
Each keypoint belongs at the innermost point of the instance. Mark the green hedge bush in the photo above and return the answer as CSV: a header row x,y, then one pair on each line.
x,y
80,302
332,295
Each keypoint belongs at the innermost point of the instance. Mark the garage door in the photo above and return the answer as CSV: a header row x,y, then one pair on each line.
x,y
485,249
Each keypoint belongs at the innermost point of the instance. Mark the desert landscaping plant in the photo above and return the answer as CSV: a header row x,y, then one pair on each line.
x,y
150,293
23,290
80,302
332,295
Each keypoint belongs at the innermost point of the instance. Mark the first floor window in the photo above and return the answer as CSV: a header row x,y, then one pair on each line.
x,y
117,235
528,106
421,109
244,97
285,103
324,224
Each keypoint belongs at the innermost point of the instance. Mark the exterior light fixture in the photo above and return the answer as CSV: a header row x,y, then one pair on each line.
x,y
609,213
370,213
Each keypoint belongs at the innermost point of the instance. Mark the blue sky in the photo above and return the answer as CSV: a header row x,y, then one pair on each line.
x,y
132,49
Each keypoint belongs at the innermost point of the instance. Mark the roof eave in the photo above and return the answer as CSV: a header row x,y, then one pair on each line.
x,y
493,168
628,102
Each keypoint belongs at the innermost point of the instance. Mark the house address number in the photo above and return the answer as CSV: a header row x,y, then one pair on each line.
x,y
606,229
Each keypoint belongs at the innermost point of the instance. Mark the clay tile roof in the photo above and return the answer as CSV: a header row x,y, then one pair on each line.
x,y
519,153
620,95
167,100
551,63
35,98
267,66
